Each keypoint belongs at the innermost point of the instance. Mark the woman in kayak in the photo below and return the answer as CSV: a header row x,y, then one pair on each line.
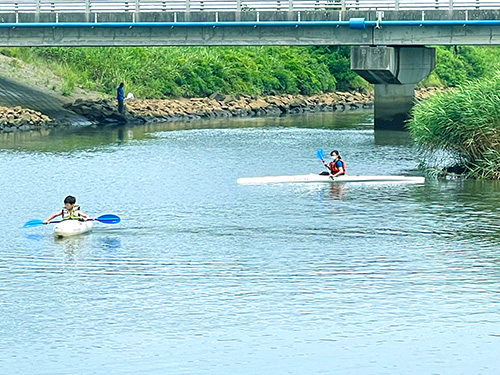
x,y
71,211
336,167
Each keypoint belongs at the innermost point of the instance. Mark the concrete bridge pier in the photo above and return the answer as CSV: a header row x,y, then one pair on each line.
x,y
394,71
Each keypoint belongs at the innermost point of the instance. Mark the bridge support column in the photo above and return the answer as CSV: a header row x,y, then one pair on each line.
x,y
394,71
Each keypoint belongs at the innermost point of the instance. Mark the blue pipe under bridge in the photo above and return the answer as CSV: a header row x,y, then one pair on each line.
x,y
353,23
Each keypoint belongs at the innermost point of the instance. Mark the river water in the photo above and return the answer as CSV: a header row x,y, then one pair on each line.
x,y
205,276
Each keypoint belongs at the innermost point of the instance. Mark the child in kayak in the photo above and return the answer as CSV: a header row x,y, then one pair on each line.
x,y
336,167
71,211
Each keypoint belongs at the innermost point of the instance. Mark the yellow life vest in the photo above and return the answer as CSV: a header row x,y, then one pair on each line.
x,y
71,214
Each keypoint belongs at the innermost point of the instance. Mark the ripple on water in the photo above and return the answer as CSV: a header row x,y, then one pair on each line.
x,y
206,276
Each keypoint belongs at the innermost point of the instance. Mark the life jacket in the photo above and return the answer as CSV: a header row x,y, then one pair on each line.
x,y
333,166
71,214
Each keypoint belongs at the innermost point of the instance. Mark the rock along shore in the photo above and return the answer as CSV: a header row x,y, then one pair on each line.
x,y
138,111
18,119
216,106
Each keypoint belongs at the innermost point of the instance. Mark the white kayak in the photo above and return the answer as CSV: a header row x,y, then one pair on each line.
x,y
72,228
316,178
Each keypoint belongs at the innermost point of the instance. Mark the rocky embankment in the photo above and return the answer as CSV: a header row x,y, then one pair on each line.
x,y
19,119
215,106
103,112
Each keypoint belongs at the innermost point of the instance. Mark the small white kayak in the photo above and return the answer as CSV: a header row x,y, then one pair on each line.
x,y
72,228
316,178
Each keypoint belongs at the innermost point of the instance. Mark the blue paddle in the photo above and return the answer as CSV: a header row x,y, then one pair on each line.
x,y
106,219
320,155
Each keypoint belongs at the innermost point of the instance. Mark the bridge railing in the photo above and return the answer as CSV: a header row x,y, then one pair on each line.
x,y
98,6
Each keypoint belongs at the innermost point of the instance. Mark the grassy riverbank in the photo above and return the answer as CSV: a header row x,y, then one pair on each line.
x,y
462,126
153,72
173,72
458,131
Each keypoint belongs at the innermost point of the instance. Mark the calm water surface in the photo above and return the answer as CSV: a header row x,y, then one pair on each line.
x,y
204,276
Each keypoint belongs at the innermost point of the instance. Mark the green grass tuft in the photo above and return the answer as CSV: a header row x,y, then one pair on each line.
x,y
464,123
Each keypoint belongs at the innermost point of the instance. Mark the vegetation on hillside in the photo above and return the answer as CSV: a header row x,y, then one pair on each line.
x,y
156,72
458,65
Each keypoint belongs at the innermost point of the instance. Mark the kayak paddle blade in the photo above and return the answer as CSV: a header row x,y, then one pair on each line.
x,y
33,223
108,219
319,154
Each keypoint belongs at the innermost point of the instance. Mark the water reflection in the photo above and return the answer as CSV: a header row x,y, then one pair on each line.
x,y
34,243
337,191
392,138
91,137
110,244
121,137
34,237
73,247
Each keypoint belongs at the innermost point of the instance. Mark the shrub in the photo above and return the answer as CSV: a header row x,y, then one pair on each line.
x,y
465,123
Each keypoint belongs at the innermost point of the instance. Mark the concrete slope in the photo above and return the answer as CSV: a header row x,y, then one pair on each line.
x,y
14,94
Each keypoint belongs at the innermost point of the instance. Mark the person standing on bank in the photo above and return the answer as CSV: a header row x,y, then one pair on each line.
x,y
336,167
120,97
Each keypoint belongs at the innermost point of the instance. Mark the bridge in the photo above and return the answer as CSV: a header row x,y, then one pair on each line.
x,y
388,37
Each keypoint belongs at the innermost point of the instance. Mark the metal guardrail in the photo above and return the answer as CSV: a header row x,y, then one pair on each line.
x,y
140,6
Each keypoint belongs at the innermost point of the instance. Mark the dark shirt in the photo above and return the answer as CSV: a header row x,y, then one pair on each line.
x,y
119,93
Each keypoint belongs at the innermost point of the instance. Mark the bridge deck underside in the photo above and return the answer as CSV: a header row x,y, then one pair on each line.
x,y
260,36
243,28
